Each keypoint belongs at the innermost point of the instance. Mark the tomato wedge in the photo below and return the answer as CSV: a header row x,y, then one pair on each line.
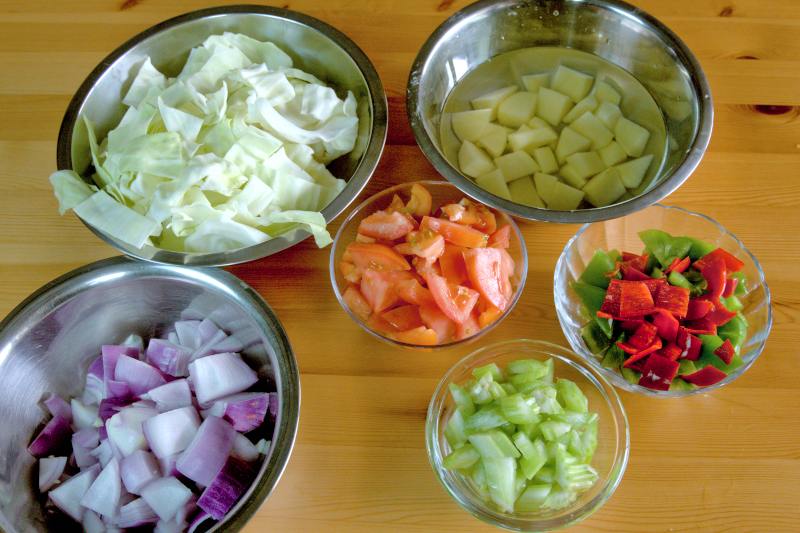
x,y
421,202
433,318
485,271
356,303
349,271
424,243
371,256
455,233
468,328
489,316
455,301
471,214
363,238
404,317
452,264
396,205
379,290
501,238
421,336
385,225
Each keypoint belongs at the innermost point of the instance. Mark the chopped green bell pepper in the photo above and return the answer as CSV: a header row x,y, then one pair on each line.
x,y
596,271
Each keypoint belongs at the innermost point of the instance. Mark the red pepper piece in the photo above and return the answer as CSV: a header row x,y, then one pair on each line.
x,y
631,325
633,274
732,264
689,344
679,265
701,326
635,300
612,299
639,262
666,324
671,351
725,352
641,354
644,337
673,299
719,316
658,373
602,314
705,376
698,308
730,286
654,285
713,270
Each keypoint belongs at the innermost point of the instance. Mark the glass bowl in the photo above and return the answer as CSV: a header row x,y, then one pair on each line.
x,y
442,193
613,442
622,234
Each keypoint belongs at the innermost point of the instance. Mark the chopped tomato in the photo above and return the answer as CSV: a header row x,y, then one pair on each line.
x,y
458,213
485,270
377,323
425,266
501,238
508,267
468,328
380,257
420,203
421,336
363,238
424,243
413,292
469,213
349,271
452,264
433,317
396,205
456,233
489,316
455,301
379,290
356,303
386,225
404,317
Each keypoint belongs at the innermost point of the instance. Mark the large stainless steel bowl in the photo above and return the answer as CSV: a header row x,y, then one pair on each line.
x,y
48,341
313,45
611,29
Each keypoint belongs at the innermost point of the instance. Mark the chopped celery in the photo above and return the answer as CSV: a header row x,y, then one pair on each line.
x,y
532,497
520,483
491,369
551,430
546,399
462,399
478,477
571,397
523,444
463,457
454,431
509,388
534,459
484,419
525,383
595,272
519,410
500,477
679,280
496,390
559,498
493,444
527,366
479,392
576,419
546,474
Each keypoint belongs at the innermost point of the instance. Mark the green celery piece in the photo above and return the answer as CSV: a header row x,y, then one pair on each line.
x,y
508,428
462,399
679,280
591,296
631,376
657,273
463,457
500,477
479,391
576,419
491,369
686,366
579,477
546,474
680,385
707,356
523,444
519,410
546,397
595,337
527,366
735,331
589,440
550,371
497,391
454,431
484,419
595,272
664,246
478,477
613,358
520,482
509,388
571,397
551,429
741,287
559,498
532,497
525,383
493,444
732,303
699,248
531,430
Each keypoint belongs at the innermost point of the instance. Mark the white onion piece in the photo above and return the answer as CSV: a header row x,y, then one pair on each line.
x,y
171,396
171,432
136,513
84,416
103,496
220,375
92,523
50,469
166,496
206,455
137,470
68,495
110,356
83,442
172,337
243,448
103,452
140,376
227,345
125,429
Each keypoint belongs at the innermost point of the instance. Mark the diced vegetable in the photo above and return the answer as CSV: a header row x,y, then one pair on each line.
x,y
104,493
50,469
227,487
206,454
54,435
137,470
219,375
166,496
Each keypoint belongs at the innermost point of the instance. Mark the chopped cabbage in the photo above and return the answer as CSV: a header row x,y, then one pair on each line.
x,y
229,153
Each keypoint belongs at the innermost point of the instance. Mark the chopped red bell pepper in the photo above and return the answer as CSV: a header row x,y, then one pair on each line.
x,y
719,316
639,262
679,265
641,354
644,337
732,263
671,351
673,299
725,352
701,326
689,344
705,376
654,285
612,299
603,314
633,274
635,300
713,270
730,287
631,325
666,324
698,308
658,373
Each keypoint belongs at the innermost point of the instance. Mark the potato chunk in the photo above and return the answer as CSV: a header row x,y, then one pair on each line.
x,y
633,172
530,139
564,198
469,125
517,109
604,92
494,140
589,103
608,114
495,183
523,192
593,129
612,154
586,164
571,82
473,161
631,136
552,106
544,184
516,165
546,159
571,176
491,100
571,142
605,188
532,82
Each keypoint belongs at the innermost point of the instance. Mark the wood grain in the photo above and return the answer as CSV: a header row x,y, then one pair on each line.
x,y
728,461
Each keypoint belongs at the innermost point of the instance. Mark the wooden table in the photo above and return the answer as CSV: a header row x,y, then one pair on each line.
x,y
726,461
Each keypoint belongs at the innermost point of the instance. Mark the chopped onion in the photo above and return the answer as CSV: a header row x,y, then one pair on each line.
x,y
244,449
199,519
103,496
263,446
54,434
168,465
227,487
103,452
50,469
220,375
171,432
171,526
171,395
118,389
136,513
58,407
188,333
209,449
136,341
170,358
245,411
137,470
84,416
110,355
109,407
125,429
68,495
140,376
92,523
166,496
83,442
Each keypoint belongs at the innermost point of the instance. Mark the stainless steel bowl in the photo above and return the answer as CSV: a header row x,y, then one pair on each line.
x,y
48,341
314,46
611,29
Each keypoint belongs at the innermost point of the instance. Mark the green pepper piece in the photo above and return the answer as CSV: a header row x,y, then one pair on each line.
x,y
664,246
741,287
597,270
732,303
735,331
591,296
708,357
631,376
595,338
686,366
699,248
680,385
679,280
656,273
614,357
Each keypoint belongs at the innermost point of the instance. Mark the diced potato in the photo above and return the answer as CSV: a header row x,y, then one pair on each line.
x,y
631,136
606,93
605,188
517,109
571,176
473,161
612,154
570,142
546,159
494,140
677,110
552,106
608,114
529,139
586,164
544,184
523,192
633,172
593,129
495,183
532,82
571,82
537,123
469,125
564,198
524,127
516,165
587,104
492,99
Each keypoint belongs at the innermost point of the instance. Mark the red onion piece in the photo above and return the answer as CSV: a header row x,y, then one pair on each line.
x,y
166,496
54,435
136,513
170,358
244,449
188,333
171,396
227,487
171,432
125,429
110,355
245,411
138,469
58,407
68,495
83,442
104,493
50,469
139,376
209,449
220,375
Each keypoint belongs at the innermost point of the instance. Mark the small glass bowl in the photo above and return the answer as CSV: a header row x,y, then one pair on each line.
x,y
622,234
613,440
442,193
